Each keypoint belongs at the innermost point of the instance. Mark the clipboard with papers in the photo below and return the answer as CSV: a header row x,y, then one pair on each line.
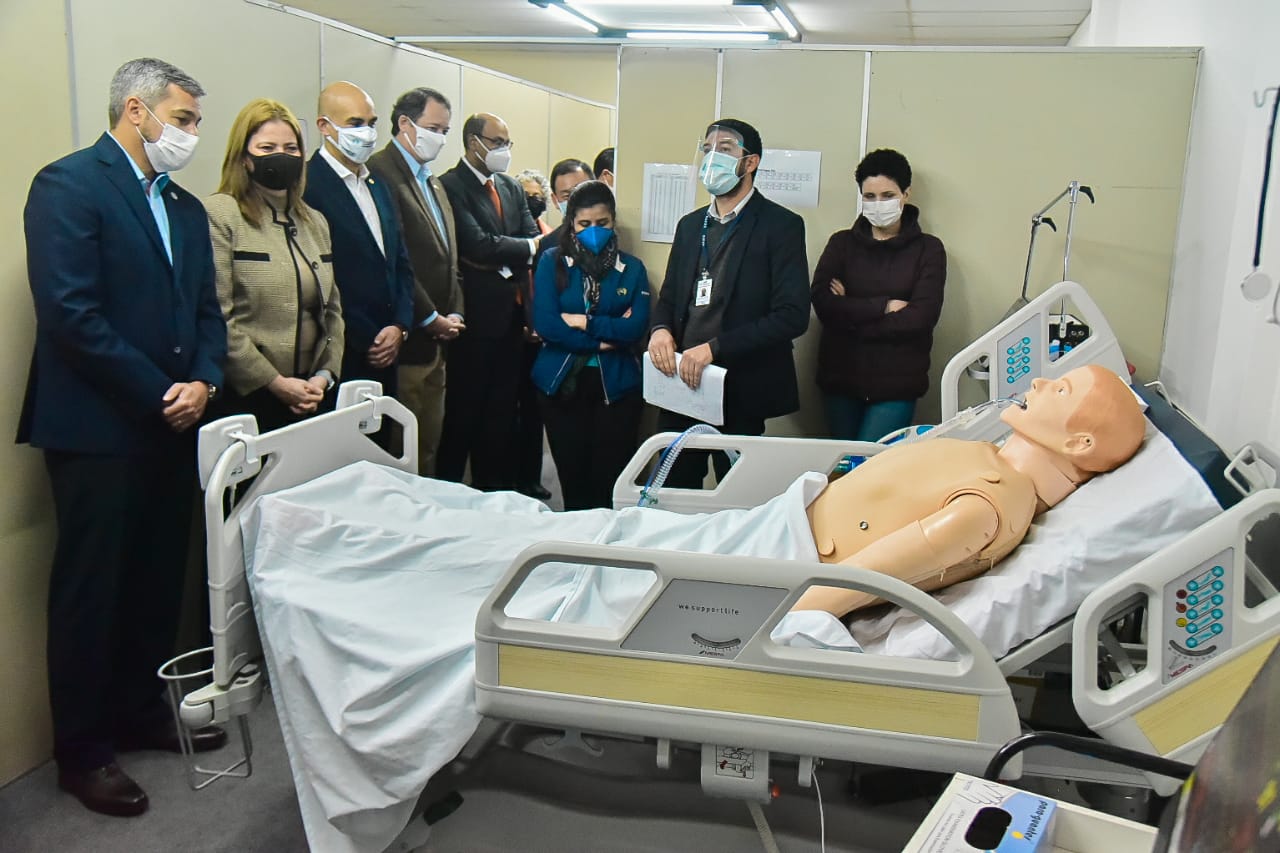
x,y
706,404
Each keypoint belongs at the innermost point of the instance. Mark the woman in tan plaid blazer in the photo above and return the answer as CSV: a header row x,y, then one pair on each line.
x,y
274,266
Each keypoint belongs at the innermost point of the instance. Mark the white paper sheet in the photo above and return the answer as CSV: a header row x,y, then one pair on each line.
x,y
790,178
668,195
669,392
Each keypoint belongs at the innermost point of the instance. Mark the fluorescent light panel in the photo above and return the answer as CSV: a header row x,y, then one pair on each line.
x,y
574,17
689,35
580,3
784,21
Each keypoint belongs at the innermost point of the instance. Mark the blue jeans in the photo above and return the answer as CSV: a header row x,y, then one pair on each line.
x,y
859,420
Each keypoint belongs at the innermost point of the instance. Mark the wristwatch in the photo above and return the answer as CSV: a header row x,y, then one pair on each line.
x,y
213,391
327,376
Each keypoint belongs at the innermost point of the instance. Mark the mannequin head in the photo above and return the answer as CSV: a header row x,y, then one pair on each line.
x,y
1089,416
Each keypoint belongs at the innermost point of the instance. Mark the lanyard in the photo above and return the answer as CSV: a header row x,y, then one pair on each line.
x,y
724,239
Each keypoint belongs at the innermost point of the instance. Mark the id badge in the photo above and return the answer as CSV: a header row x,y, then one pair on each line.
x,y
702,296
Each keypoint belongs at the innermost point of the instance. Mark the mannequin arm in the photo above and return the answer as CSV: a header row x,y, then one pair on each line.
x,y
919,553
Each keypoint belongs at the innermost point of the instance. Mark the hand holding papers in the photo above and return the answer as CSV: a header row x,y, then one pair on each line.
x,y
669,392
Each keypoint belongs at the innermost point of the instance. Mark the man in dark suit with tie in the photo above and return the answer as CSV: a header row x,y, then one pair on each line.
x,y
129,349
736,294
370,263
497,239
420,119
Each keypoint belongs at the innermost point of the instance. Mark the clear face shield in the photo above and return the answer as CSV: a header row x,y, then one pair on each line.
x,y
717,164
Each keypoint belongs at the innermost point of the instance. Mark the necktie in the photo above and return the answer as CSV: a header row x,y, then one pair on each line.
x,y
491,186
424,181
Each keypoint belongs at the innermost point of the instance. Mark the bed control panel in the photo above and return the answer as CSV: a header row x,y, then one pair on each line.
x,y
1197,616
704,619
1018,358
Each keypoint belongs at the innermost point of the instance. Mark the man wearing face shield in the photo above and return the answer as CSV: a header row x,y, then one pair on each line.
x,y
370,263
497,239
420,120
736,294
129,347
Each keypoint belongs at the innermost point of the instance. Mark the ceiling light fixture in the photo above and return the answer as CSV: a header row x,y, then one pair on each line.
x,y
691,35
784,20
574,16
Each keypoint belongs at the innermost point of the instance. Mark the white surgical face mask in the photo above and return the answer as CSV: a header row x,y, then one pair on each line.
x,y
172,150
497,159
563,205
355,142
882,214
428,143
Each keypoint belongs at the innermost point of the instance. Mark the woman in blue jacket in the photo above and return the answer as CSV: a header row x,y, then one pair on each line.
x,y
591,307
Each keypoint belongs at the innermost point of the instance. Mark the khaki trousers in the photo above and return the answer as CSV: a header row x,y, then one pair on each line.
x,y
422,392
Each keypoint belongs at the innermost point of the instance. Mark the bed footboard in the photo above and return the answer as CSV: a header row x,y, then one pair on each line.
x,y
695,662
1213,616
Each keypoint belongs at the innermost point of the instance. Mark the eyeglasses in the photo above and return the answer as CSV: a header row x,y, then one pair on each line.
x,y
498,142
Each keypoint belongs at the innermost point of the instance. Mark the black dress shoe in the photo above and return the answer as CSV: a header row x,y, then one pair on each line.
x,y
534,490
106,790
164,737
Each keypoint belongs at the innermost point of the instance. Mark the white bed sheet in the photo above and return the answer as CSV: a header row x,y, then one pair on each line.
x,y
366,584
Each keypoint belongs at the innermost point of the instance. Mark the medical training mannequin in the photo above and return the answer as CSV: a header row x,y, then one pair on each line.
x,y
938,512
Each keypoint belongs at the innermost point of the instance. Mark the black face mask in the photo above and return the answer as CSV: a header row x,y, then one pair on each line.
x,y
537,206
278,171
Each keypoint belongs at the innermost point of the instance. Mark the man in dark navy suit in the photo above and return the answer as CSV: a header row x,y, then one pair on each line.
x,y
370,263
129,349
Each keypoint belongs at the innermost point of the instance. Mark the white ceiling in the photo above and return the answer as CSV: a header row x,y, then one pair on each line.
x,y
891,22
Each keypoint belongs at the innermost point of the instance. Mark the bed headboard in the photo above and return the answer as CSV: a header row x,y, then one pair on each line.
x,y
232,453
1017,348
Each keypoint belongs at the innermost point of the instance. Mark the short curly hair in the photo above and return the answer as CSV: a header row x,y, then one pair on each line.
x,y
887,163
538,178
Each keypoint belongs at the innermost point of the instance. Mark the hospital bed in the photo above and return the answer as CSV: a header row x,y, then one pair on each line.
x,y
737,687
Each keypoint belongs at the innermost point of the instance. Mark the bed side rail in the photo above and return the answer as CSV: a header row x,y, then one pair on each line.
x,y
232,453
1017,348
1254,467
694,662
766,465
1212,619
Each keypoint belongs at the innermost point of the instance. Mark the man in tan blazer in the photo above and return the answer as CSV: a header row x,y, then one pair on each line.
x,y
420,120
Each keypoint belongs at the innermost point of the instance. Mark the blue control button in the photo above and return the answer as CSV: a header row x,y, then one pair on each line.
x,y
1193,600
1218,571
1011,380
1012,359
1193,585
1011,370
1217,599
1026,341
1216,614
1217,586
1011,350
1193,628
1192,643
1217,629
1193,614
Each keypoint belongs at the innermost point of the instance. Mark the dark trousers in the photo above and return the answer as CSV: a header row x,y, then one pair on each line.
x,y
115,594
479,410
591,441
528,424
691,468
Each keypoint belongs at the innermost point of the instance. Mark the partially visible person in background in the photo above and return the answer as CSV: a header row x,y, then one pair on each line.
x,y
274,264
537,191
603,167
877,290
591,307
527,441
565,177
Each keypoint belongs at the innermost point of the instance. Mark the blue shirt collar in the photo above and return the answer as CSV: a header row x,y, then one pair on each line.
x,y
421,171
154,187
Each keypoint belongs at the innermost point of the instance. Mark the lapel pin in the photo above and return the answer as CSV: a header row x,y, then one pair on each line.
x,y
173,196
622,291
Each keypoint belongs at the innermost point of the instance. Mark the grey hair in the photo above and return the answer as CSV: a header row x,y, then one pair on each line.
x,y
149,80
538,178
